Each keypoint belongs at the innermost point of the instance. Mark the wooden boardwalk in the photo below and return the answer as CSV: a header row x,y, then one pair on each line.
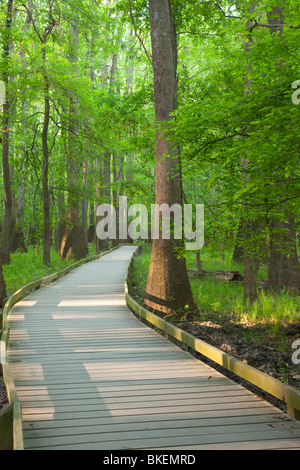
x,y
90,376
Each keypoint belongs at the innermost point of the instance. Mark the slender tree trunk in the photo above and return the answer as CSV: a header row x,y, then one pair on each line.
x,y
2,286
18,243
45,149
61,226
118,163
249,224
238,251
7,229
168,290
73,243
103,193
46,194
84,209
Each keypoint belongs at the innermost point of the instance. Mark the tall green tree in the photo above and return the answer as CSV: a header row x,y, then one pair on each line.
x,y
168,290
7,227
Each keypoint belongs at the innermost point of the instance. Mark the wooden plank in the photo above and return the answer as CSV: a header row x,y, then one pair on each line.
x,y
117,395
85,412
215,433
279,444
163,420
91,442
100,426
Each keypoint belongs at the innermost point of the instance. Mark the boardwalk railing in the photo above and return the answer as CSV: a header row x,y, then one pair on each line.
x,y
288,395
14,407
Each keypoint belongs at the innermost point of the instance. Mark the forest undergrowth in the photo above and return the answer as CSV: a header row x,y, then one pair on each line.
x,y
261,334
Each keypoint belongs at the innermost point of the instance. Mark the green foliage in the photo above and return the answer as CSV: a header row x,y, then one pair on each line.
x,y
28,267
234,106
223,298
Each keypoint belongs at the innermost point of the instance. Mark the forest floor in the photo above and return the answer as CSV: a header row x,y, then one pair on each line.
x,y
265,345
254,344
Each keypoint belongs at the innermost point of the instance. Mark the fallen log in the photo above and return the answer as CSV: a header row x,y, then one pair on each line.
x,y
219,275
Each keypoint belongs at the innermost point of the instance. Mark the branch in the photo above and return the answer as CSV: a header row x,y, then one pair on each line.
x,y
32,22
215,141
267,25
136,33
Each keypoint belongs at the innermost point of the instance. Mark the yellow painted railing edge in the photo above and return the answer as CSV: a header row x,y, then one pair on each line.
x,y
287,394
17,409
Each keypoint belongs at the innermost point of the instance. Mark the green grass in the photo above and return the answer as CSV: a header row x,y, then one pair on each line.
x,y
227,298
27,267
222,298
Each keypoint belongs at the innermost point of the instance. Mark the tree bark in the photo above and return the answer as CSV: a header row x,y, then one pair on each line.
x,y
73,242
2,286
46,194
7,228
238,251
45,149
84,209
283,266
250,226
168,290
103,193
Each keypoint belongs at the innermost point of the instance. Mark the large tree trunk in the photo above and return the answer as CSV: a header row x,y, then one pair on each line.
x,y
7,228
168,291
73,243
283,267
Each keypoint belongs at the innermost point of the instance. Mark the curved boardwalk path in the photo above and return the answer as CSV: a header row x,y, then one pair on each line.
x,y
91,376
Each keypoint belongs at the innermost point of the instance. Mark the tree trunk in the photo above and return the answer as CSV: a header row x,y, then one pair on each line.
x,y
84,210
250,225
46,194
2,286
18,243
168,291
7,228
103,194
61,226
283,267
73,243
238,251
